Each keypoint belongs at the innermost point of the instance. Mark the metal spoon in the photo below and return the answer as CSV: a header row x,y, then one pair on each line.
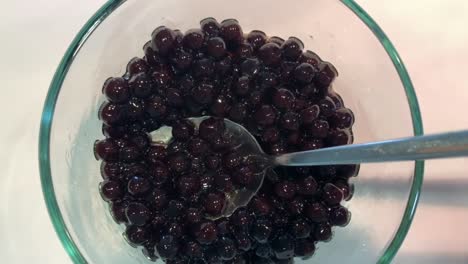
x,y
445,145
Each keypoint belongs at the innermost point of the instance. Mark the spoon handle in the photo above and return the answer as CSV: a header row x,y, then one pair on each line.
x,y
445,145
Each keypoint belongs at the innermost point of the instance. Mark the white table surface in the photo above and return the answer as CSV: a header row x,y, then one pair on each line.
x,y
431,36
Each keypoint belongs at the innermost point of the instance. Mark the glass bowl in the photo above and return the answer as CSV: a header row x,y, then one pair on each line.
x,y
373,82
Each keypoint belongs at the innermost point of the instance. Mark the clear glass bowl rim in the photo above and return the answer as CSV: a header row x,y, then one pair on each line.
x,y
86,31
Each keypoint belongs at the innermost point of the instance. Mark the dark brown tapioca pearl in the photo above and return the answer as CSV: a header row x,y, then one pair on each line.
x,y
162,77
232,160
136,235
163,40
223,182
332,195
336,98
238,112
203,68
149,251
287,70
182,59
290,121
116,90
176,229
257,39
316,212
159,173
111,114
304,73
137,214
339,216
277,148
243,241
134,109
241,219
220,106
294,138
224,66
118,212
346,188
179,39
307,186
311,92
304,248
203,93
261,230
243,51
175,208
243,86
261,206
183,130
156,107
194,39
224,227
188,185
141,140
185,83
111,190
309,115
137,65
129,153
250,66
193,215
158,199
312,144
113,131
342,119
283,247
106,149
213,161
152,57
339,137
214,203
277,40
231,32
270,135
150,124
300,228
265,115
168,247
323,232
193,249
211,128
283,99
244,176
206,232
138,186
292,48
348,171
210,26
132,169
296,206
267,79
270,54
216,47
300,104
264,252
326,75
327,107
174,97
310,58
179,162
318,129
206,182
286,189
156,153
111,170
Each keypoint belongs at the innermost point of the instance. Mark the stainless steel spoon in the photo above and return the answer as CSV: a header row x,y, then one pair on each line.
x,y
445,145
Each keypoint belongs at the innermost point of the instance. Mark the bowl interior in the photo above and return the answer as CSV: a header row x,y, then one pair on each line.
x,y
368,82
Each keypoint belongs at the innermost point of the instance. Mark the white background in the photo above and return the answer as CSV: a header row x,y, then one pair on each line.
x,y
431,36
